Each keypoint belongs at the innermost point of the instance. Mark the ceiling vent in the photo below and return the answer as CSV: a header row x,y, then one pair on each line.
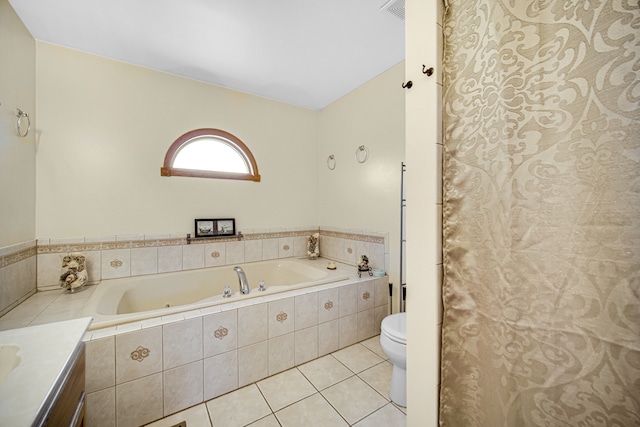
x,y
395,7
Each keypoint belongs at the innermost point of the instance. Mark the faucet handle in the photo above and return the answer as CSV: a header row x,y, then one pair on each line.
x,y
262,286
226,292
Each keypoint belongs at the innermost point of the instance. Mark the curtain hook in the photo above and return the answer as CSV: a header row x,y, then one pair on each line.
x,y
427,71
407,85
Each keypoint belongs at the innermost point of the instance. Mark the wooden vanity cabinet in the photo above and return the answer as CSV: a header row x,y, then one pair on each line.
x,y
68,404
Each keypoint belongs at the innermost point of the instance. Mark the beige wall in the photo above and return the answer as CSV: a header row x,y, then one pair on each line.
x,y
105,127
17,155
424,210
365,196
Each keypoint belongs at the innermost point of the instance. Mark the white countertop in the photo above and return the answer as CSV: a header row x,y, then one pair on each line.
x,y
45,351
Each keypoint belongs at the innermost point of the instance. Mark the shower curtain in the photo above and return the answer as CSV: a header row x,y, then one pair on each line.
x,y
541,213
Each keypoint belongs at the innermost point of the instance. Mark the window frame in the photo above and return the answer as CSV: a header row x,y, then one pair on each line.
x,y
168,170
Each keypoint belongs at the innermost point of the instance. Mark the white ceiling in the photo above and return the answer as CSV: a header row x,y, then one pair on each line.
x,y
302,52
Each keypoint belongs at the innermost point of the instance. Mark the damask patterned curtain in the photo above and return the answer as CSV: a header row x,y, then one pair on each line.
x,y
541,213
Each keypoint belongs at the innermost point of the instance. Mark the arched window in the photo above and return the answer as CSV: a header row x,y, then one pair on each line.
x,y
210,153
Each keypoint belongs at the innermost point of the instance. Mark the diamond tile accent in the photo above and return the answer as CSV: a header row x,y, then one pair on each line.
x,y
140,353
221,332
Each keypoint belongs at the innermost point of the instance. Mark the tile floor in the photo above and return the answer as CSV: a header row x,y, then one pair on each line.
x,y
347,388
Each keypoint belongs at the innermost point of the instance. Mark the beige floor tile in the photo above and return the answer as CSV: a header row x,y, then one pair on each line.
x,y
238,408
373,344
325,371
196,416
379,377
269,421
354,399
357,357
387,416
285,388
314,411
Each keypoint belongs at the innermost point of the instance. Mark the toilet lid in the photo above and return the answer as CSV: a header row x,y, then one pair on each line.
x,y
395,327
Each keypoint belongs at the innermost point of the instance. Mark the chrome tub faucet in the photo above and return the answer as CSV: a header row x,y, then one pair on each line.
x,y
242,280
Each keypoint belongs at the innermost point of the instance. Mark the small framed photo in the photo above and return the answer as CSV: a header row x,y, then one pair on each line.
x,y
218,227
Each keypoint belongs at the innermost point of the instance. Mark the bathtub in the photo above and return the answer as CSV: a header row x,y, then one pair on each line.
x,y
129,299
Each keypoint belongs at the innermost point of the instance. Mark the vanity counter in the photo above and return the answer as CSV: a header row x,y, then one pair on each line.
x,y
43,357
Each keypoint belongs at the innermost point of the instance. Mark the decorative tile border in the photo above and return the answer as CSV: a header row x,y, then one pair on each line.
x,y
11,257
21,255
45,248
369,238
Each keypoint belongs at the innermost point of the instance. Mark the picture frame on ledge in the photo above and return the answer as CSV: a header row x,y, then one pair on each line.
x,y
215,227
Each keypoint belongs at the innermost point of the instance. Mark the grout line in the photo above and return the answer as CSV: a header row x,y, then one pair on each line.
x,y
308,379
318,392
206,407
340,362
333,407
265,398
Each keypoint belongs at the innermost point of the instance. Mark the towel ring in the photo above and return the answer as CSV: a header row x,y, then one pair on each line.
x,y
331,162
20,115
361,149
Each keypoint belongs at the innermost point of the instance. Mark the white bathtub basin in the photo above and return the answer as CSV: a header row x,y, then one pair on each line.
x,y
129,299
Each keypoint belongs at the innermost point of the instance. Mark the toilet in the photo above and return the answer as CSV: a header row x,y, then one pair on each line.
x,y
393,340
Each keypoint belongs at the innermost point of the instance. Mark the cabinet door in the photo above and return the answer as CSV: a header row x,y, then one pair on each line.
x,y
68,409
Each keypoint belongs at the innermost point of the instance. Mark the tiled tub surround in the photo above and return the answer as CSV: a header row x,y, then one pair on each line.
x,y
135,255
17,274
166,364
143,371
